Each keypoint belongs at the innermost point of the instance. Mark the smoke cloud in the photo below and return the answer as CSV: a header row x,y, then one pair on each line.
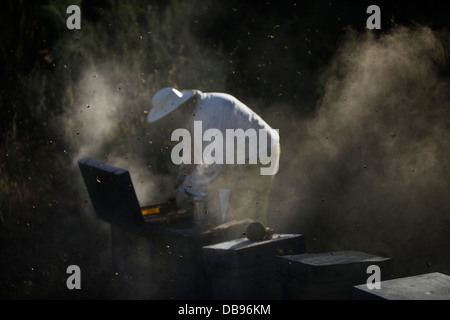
x,y
111,97
95,113
370,170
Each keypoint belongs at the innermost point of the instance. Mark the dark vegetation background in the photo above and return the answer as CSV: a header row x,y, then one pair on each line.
x,y
268,52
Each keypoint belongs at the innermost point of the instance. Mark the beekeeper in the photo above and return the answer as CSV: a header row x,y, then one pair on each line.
x,y
232,191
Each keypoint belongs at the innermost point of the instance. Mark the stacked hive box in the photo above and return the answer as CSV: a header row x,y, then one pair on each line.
x,y
244,269
432,286
188,272
327,275
141,259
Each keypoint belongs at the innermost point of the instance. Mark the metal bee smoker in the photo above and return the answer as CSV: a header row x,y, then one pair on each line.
x,y
197,201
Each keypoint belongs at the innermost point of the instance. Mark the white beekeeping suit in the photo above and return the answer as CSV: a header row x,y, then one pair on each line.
x,y
249,189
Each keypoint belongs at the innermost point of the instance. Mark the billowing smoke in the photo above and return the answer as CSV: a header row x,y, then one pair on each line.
x,y
99,114
112,96
94,114
370,171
